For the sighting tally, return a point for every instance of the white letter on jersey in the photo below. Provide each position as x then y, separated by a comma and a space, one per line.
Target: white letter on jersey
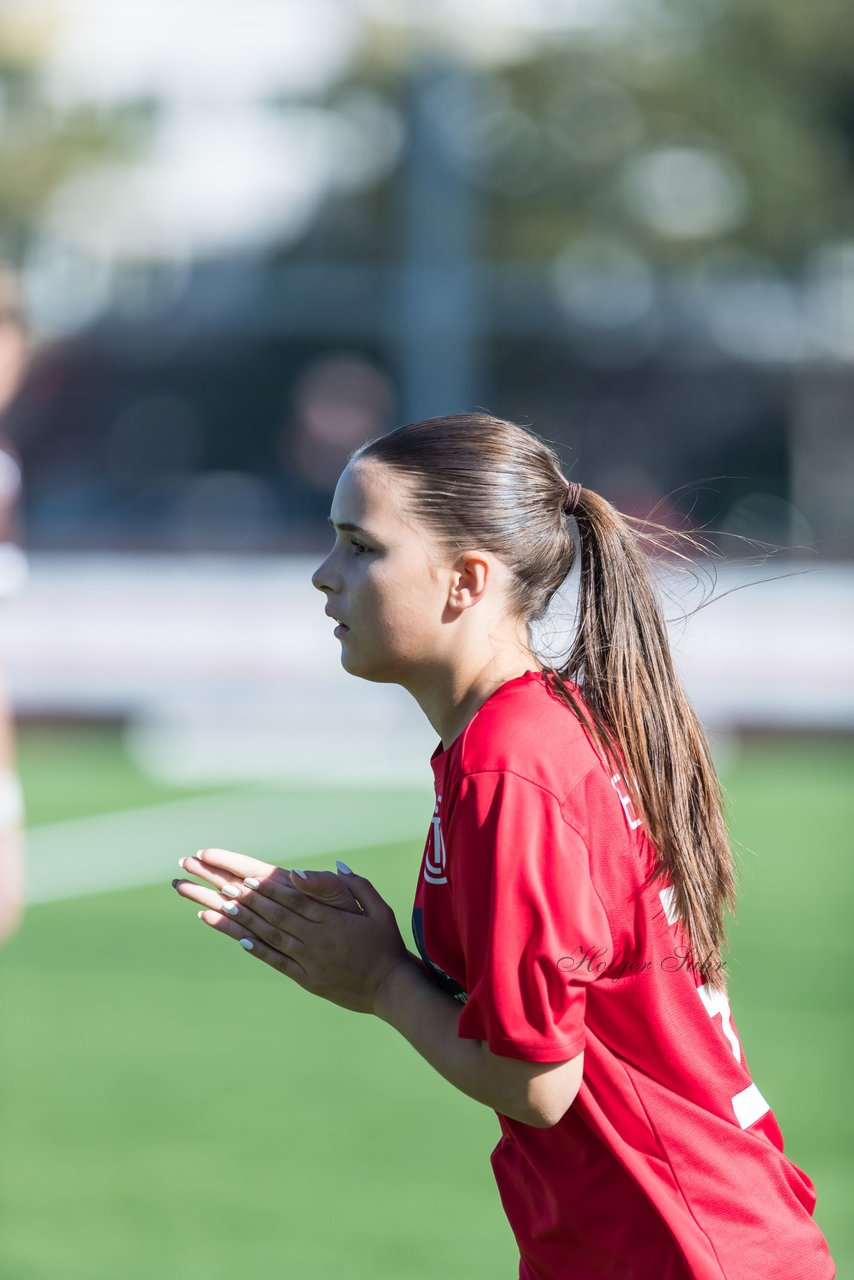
716, 1002
434, 863
670, 913
749, 1105
626, 801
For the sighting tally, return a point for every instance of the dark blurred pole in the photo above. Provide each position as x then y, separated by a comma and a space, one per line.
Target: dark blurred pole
822, 456
436, 315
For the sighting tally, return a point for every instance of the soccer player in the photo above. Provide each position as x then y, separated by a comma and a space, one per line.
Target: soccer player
13, 355
570, 902
12, 562
11, 830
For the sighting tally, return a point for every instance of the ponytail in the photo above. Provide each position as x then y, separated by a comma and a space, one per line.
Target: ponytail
637, 711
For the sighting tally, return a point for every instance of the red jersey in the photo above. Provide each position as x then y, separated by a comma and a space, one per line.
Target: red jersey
535, 909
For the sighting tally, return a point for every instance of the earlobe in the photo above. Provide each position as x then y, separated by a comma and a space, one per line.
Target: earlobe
458, 595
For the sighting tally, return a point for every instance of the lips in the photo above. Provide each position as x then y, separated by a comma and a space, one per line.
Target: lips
342, 626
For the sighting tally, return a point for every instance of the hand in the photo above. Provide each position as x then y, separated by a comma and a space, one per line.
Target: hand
341, 944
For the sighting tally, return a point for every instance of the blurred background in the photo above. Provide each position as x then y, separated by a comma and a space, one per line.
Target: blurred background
236, 242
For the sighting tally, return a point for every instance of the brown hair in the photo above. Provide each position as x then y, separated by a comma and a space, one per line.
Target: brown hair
478, 481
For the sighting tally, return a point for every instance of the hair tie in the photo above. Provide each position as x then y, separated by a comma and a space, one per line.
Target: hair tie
573, 493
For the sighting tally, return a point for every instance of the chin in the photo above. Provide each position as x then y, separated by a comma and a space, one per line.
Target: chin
366, 671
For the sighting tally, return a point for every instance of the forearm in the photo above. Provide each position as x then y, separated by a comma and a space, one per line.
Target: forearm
11, 882
427, 1017
11, 835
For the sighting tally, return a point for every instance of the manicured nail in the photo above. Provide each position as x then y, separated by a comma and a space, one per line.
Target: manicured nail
174, 884
251, 882
200, 914
230, 908
232, 890
297, 872
244, 942
342, 866
200, 854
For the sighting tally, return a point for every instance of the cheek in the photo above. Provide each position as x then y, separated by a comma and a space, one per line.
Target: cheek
412, 617
396, 601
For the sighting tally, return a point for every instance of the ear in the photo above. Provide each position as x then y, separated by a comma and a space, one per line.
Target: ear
472, 576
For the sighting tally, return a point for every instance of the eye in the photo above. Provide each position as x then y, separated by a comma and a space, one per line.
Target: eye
360, 547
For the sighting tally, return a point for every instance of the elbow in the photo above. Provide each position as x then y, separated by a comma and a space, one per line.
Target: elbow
541, 1110
549, 1095
538, 1094
546, 1117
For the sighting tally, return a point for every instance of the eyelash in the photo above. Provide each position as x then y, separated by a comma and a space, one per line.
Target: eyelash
360, 545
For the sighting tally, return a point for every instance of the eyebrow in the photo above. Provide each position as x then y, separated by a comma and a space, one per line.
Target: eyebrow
348, 528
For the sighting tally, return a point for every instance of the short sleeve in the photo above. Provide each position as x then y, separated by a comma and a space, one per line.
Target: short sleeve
523, 901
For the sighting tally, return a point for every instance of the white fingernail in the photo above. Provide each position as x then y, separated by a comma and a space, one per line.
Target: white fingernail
200, 914
231, 889
230, 908
297, 872
252, 883
244, 942
200, 854
342, 866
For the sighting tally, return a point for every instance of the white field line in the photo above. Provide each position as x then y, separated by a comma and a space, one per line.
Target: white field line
135, 847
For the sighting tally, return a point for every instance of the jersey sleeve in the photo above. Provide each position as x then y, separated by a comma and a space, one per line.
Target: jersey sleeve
526, 910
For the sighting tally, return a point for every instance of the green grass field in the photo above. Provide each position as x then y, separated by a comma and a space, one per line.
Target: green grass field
174, 1110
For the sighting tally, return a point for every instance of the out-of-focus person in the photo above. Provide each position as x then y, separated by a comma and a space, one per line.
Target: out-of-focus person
13, 355
11, 829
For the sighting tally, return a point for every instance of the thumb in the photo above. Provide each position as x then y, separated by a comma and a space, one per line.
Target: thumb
325, 887
362, 890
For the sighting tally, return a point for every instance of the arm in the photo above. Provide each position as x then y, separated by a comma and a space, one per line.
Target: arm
358, 959
535, 1093
11, 839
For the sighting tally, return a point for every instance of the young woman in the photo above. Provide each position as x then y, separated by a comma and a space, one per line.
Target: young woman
569, 906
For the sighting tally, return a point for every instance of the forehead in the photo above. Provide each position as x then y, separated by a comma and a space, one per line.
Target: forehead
370, 496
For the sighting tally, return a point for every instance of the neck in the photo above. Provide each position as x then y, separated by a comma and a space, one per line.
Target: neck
450, 699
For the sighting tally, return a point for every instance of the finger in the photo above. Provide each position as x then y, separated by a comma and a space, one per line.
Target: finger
221, 876
194, 867
256, 947
203, 896
326, 887
279, 928
372, 902
237, 865
271, 920
205, 865
276, 895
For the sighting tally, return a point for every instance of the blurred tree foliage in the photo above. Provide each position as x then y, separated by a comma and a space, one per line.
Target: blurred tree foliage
41, 145
765, 86
762, 88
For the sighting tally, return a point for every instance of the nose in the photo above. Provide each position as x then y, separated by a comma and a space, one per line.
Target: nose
322, 575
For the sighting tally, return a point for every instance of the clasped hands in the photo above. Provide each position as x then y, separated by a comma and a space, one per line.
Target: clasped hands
332, 934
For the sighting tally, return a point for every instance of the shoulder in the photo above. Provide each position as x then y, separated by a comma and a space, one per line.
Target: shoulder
526, 730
